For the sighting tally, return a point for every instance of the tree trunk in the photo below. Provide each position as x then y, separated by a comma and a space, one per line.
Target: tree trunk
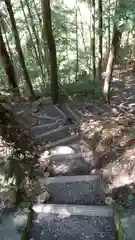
18, 45
36, 35
111, 60
109, 26
8, 66
77, 54
93, 40
100, 39
52, 48
38, 59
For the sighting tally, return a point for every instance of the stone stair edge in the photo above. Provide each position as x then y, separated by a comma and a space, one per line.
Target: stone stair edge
66, 209
65, 179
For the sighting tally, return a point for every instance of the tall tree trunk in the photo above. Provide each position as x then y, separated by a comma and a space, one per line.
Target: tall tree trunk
93, 40
109, 27
83, 38
12, 56
38, 59
34, 31
18, 45
8, 66
100, 38
90, 34
111, 60
77, 57
46, 8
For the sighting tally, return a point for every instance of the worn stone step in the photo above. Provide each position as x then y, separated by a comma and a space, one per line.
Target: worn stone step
74, 222
61, 153
68, 151
44, 128
86, 189
69, 165
54, 134
63, 156
71, 111
67, 162
50, 110
71, 140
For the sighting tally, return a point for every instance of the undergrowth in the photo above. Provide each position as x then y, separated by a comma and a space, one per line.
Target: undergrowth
19, 164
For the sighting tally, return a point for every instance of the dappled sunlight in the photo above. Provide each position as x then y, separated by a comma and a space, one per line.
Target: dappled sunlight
62, 150
61, 211
121, 180
124, 86
61, 169
68, 165
54, 121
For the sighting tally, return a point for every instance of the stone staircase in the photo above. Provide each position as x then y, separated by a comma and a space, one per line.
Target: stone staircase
77, 208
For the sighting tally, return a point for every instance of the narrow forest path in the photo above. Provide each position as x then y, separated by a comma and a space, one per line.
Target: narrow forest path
86, 138
77, 198
101, 137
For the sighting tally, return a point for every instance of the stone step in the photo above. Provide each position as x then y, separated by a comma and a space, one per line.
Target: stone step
68, 165
52, 221
50, 110
54, 134
66, 158
71, 112
85, 189
44, 128
71, 140
61, 153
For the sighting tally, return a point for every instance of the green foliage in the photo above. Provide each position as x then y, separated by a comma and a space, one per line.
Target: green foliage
120, 229
64, 30
81, 87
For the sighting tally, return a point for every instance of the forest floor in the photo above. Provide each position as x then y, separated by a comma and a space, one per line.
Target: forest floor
110, 133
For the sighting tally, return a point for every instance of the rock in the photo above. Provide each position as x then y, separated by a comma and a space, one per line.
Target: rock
115, 111
109, 201
46, 174
44, 156
107, 175
61, 150
44, 197
95, 171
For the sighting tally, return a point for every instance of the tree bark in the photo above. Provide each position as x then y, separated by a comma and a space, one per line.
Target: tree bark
52, 48
77, 54
93, 40
18, 45
8, 66
111, 60
109, 26
100, 38
38, 59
